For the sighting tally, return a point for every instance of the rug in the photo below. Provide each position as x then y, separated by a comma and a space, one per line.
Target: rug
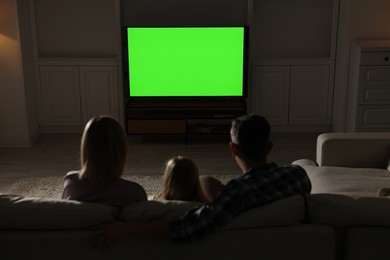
51, 187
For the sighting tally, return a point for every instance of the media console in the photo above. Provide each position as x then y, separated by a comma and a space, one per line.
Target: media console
182, 116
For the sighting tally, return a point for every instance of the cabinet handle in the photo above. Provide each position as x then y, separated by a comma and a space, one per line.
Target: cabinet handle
368, 76
386, 58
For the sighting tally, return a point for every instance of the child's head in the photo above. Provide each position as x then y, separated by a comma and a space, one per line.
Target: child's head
181, 180
103, 150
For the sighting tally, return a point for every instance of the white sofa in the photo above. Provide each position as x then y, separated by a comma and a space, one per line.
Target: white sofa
322, 227
32, 228
356, 165
353, 164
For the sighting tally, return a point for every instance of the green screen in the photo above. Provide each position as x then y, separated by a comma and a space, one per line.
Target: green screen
193, 61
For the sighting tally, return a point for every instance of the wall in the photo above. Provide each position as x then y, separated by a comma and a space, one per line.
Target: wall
184, 13
18, 125
359, 19
14, 129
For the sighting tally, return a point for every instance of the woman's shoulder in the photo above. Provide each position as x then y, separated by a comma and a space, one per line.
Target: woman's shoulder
72, 175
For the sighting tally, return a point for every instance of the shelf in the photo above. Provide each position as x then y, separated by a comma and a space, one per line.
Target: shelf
182, 116
189, 103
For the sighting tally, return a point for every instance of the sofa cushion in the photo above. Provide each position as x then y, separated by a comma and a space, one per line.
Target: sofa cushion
343, 210
357, 182
17, 212
360, 150
157, 209
288, 211
284, 212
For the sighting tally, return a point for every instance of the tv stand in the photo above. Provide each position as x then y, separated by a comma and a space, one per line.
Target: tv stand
182, 116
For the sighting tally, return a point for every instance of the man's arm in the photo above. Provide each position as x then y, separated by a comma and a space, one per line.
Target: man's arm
196, 223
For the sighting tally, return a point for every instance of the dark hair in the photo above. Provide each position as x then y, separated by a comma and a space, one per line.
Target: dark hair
251, 133
103, 150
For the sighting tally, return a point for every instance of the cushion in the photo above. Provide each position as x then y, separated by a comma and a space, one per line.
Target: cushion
334, 209
288, 211
157, 209
284, 212
357, 182
360, 150
17, 212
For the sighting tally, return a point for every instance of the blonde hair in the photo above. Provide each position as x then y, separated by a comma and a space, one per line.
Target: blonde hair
181, 180
103, 150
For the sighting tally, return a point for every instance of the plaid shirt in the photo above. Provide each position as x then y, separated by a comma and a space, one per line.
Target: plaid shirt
258, 186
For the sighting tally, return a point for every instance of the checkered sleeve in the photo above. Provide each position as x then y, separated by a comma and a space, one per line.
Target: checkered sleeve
201, 221
255, 188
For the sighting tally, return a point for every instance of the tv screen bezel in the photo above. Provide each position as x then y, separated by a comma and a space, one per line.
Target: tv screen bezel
125, 64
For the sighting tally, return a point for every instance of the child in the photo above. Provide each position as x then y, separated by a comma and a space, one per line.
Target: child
103, 156
181, 181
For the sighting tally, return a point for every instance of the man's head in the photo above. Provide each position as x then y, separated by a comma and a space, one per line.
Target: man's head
250, 138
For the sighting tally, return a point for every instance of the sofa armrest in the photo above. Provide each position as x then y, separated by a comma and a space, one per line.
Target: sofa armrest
304, 162
359, 150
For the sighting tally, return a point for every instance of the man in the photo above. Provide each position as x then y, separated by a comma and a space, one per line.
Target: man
261, 183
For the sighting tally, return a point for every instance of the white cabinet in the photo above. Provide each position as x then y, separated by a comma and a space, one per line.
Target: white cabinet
310, 95
270, 93
71, 95
99, 92
60, 96
77, 53
292, 59
290, 96
369, 88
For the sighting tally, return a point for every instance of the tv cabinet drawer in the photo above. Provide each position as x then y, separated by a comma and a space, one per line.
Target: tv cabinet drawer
375, 58
373, 118
375, 95
156, 126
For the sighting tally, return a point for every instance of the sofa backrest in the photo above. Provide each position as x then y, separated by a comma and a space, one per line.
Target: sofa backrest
17, 212
341, 210
288, 211
359, 150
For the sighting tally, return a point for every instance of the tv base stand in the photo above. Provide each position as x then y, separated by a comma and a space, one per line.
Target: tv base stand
193, 116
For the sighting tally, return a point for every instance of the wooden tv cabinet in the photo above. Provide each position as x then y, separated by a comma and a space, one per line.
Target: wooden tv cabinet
187, 116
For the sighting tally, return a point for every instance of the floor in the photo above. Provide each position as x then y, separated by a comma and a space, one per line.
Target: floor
54, 155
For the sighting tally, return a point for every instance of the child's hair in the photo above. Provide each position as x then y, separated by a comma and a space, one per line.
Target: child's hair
181, 180
103, 150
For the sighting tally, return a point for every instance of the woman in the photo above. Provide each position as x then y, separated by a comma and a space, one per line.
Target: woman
103, 155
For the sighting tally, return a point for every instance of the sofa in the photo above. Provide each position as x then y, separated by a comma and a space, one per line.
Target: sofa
322, 226
353, 164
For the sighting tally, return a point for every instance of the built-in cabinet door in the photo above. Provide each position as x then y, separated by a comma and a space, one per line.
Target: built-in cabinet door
60, 96
271, 93
373, 101
309, 95
292, 95
99, 91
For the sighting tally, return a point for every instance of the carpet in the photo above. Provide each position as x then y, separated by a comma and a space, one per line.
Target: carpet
51, 187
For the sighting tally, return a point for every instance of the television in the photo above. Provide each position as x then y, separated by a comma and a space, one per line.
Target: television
185, 61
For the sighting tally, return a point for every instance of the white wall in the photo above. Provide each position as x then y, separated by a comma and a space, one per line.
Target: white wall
13, 112
359, 19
